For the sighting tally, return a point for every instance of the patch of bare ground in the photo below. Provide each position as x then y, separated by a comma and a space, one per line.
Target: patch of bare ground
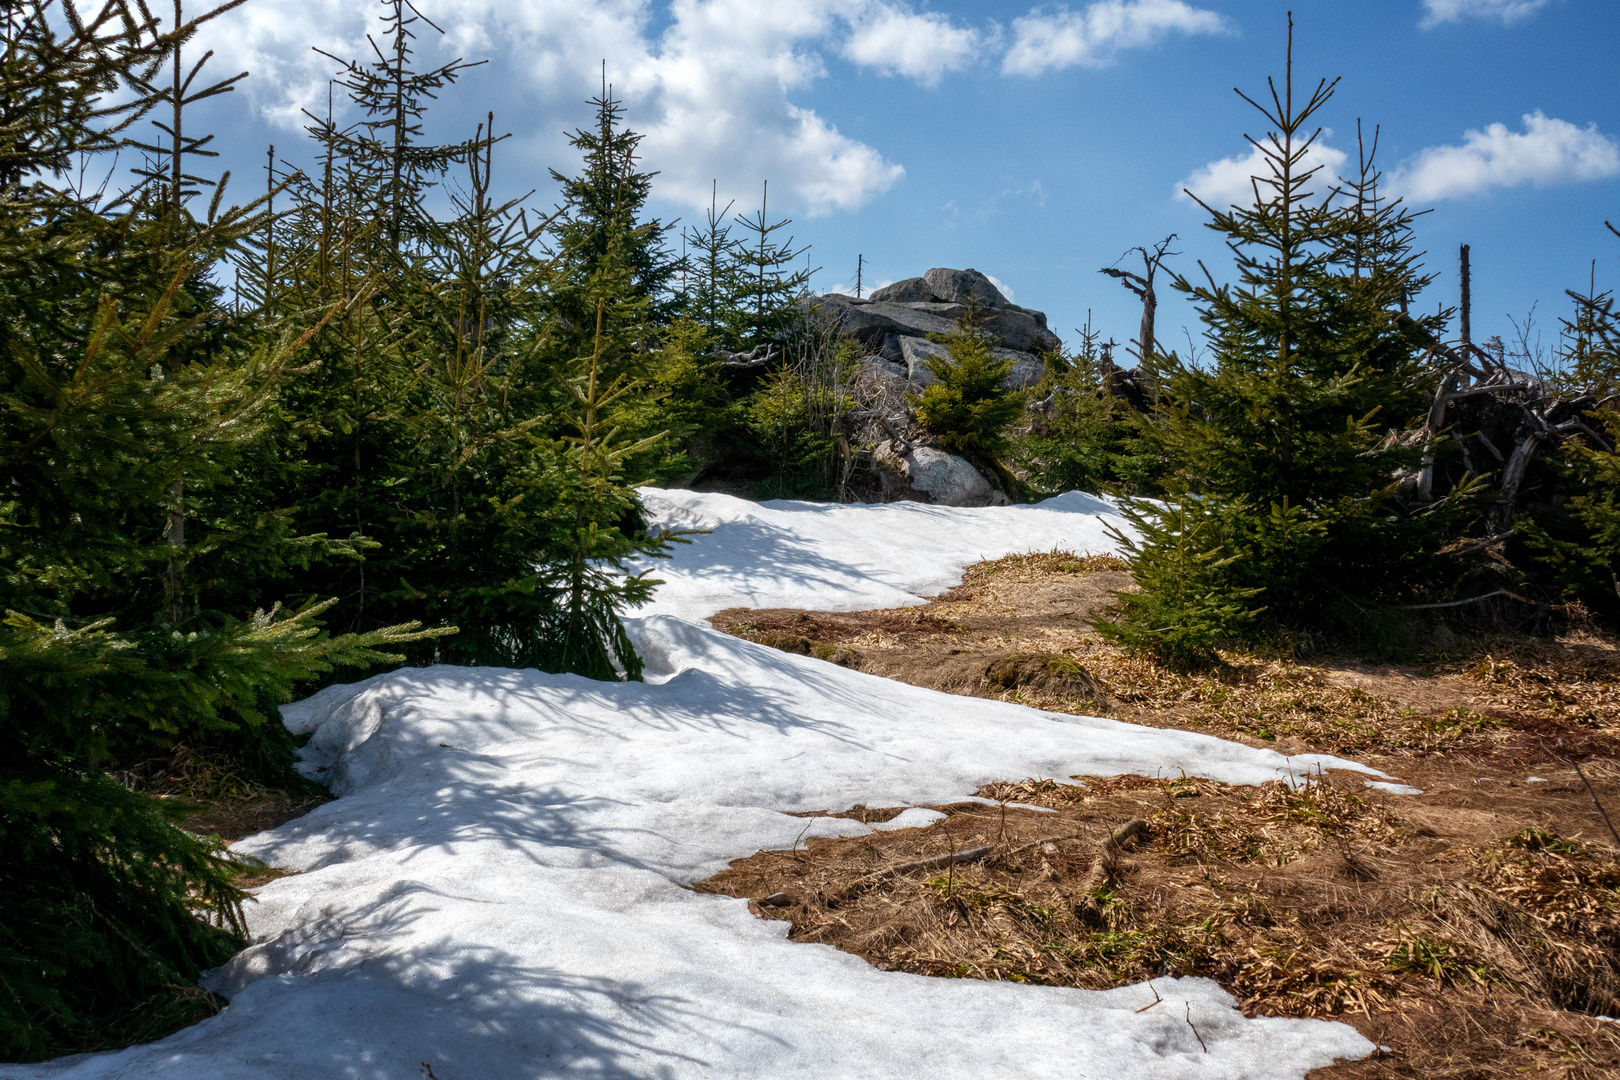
220, 801
1474, 929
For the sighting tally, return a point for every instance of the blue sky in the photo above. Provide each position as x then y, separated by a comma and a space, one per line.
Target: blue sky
1034, 143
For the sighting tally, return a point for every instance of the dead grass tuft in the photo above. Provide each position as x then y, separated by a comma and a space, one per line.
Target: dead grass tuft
1315, 900
223, 802
1474, 929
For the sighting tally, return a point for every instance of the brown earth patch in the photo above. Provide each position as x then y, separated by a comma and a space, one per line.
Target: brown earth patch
1014, 624
1473, 929
221, 801
1485, 897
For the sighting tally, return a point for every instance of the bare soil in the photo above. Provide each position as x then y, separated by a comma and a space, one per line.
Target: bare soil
219, 801
1474, 929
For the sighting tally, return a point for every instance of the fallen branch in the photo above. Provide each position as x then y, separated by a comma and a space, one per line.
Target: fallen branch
1590, 790
1021, 848
1481, 545
1190, 1024
751, 358
860, 885
1470, 600
1103, 868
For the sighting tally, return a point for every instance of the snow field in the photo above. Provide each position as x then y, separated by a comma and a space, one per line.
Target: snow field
500, 890
853, 557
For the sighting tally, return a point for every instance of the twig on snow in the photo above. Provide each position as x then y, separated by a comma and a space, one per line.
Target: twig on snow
1194, 1026
1156, 998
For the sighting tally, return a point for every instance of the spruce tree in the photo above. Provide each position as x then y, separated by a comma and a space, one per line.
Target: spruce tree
1574, 539
126, 399
393, 94
602, 219
712, 277
1082, 434
769, 289
968, 408
1285, 436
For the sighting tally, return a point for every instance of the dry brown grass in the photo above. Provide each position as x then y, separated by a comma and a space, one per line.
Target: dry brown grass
1325, 900
223, 802
1474, 929
1016, 629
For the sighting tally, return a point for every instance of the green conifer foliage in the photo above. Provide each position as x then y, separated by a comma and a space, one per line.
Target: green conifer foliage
1082, 436
603, 215
1576, 541
968, 408
128, 402
1284, 432
712, 277
394, 95
1581, 548
1186, 604
592, 516
768, 287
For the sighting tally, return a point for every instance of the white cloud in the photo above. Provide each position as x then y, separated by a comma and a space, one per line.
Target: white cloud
894, 41
1006, 290
1548, 151
711, 88
1091, 37
1436, 12
1227, 182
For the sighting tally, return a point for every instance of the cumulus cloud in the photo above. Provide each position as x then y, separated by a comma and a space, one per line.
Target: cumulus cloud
1046, 41
923, 46
709, 83
1228, 182
1436, 12
1548, 151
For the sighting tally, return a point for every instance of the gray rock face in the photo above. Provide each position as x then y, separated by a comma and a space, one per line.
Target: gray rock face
943, 310
914, 356
885, 369
916, 307
947, 479
869, 322
913, 290
915, 353
1026, 372
957, 286
1020, 332
1038, 316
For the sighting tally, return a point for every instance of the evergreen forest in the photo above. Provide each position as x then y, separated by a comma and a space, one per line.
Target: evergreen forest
258, 437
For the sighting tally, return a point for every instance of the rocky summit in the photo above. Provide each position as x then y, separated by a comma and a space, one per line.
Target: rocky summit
894, 323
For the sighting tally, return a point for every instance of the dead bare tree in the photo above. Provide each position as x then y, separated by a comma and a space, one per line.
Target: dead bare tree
1142, 286
1532, 414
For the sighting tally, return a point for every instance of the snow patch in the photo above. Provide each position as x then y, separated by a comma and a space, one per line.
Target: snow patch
1394, 789
502, 889
850, 557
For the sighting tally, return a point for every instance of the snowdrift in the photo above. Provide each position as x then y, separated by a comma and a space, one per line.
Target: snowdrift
830, 557
499, 891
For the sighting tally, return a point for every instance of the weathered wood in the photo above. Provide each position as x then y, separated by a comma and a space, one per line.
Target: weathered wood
1103, 868
860, 885
1507, 504
1470, 600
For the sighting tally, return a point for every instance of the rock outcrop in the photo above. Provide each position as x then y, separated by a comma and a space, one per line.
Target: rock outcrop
895, 321
946, 479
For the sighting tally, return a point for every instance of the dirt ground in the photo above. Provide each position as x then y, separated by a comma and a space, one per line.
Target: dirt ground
1473, 929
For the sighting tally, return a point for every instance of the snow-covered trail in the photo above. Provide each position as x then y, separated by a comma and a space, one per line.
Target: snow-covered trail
829, 557
499, 890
